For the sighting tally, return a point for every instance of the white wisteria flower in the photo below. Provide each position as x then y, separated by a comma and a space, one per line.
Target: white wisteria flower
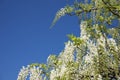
23, 73
34, 72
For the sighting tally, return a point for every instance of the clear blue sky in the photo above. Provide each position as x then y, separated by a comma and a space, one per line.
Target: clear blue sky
25, 36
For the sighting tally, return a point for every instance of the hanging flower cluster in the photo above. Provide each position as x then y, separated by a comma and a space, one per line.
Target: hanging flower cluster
62, 12
34, 73
23, 73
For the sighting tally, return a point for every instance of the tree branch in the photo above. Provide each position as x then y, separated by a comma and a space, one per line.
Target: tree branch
109, 6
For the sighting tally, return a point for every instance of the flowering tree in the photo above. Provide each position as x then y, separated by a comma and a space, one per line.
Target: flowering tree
94, 55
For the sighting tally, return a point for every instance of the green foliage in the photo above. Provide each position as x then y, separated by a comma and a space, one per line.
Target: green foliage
76, 40
52, 61
105, 11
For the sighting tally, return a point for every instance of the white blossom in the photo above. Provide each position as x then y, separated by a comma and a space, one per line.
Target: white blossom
68, 53
83, 33
61, 12
99, 77
23, 73
59, 72
34, 72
